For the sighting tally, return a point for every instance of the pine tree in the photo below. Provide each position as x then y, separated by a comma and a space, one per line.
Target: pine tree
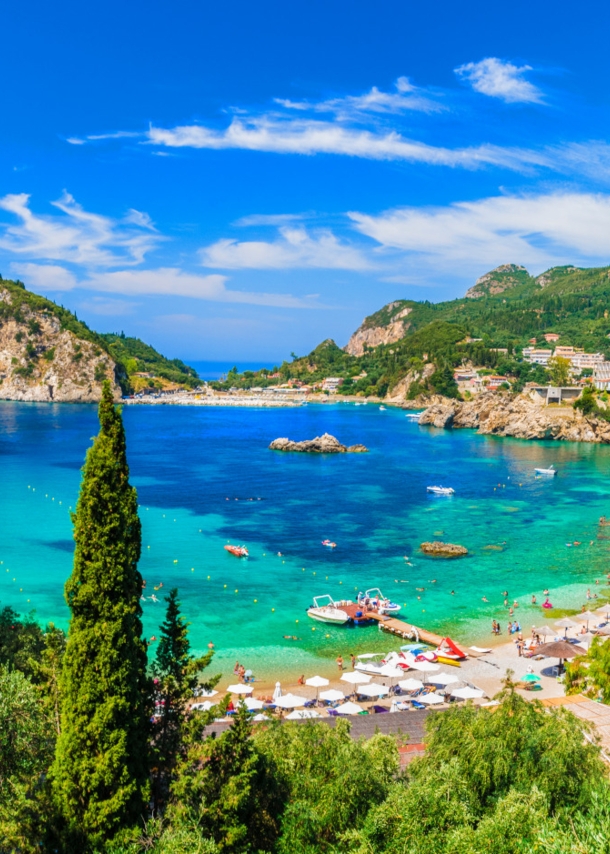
100, 773
176, 676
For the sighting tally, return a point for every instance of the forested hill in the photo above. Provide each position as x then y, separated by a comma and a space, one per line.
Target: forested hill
505, 308
48, 354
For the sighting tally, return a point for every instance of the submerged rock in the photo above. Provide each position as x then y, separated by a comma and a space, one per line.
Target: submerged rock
325, 444
443, 549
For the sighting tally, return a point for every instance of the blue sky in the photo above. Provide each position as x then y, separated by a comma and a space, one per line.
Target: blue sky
239, 181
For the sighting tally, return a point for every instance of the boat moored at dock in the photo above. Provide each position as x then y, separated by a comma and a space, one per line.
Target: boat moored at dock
325, 610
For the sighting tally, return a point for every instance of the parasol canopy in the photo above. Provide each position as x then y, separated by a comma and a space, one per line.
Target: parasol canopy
356, 677
430, 699
411, 684
240, 689
349, 709
545, 631
468, 693
252, 704
373, 690
317, 681
530, 677
332, 695
290, 701
444, 679
561, 650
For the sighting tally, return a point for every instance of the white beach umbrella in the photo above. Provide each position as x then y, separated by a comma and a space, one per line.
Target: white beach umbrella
391, 672
373, 690
545, 631
259, 718
356, 678
253, 704
350, 709
444, 678
430, 699
277, 691
411, 684
426, 666
468, 693
201, 692
604, 611
302, 714
586, 617
332, 695
203, 707
566, 623
290, 701
586, 638
317, 681
240, 689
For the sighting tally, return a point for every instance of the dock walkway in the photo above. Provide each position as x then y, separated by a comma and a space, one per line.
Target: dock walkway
407, 631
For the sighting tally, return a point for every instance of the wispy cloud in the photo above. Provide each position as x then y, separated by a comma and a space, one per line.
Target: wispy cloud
501, 79
294, 248
270, 219
76, 236
538, 230
45, 277
405, 98
310, 136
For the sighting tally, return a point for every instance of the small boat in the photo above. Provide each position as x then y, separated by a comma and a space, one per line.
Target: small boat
325, 610
550, 471
329, 544
238, 551
440, 490
382, 408
413, 416
376, 601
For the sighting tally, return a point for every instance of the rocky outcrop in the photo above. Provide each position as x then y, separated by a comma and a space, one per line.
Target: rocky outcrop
438, 549
325, 444
372, 336
41, 361
497, 281
401, 391
519, 417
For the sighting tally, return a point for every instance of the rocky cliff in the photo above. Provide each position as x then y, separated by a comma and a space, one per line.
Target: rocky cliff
370, 334
517, 416
325, 444
41, 359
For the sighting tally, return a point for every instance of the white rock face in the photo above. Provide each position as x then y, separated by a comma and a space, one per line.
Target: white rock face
373, 336
52, 364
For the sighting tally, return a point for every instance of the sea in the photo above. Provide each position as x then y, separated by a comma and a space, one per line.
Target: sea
205, 477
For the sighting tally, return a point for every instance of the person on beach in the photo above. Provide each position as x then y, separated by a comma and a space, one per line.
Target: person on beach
588, 593
506, 603
210, 645
509, 627
510, 612
352, 658
533, 599
236, 669
519, 648
301, 680
339, 660
515, 604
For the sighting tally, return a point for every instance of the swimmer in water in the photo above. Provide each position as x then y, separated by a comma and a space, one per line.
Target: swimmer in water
505, 594
533, 600
484, 599
153, 598
453, 592
545, 592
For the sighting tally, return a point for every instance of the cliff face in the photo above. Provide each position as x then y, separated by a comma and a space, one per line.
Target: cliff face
519, 417
497, 281
372, 335
41, 361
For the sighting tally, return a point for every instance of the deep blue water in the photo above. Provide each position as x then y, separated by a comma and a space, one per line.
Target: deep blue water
197, 469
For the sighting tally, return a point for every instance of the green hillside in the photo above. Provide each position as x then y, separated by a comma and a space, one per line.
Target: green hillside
139, 358
504, 309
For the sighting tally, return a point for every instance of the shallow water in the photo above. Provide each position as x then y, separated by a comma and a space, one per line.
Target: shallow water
191, 464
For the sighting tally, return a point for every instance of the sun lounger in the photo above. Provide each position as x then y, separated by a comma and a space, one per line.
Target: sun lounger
380, 710
417, 705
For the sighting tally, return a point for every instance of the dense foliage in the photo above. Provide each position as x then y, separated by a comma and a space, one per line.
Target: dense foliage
139, 357
100, 774
511, 308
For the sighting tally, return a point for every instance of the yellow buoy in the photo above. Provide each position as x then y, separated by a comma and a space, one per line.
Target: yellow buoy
255, 601
237, 591
193, 569
175, 561
296, 621
225, 586
273, 609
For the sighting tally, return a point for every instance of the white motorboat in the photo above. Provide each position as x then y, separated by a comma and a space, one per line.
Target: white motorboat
440, 490
325, 610
551, 470
382, 408
374, 600
413, 416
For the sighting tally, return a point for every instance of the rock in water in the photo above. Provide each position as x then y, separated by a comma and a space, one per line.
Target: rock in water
325, 444
439, 549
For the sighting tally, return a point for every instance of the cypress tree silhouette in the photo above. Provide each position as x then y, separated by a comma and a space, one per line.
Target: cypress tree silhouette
100, 773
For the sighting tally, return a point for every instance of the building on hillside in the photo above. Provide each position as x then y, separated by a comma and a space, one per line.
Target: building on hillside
550, 337
587, 360
494, 382
332, 384
537, 357
601, 376
565, 352
553, 394
468, 380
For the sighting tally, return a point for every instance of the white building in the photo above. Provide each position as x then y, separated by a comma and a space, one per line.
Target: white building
601, 376
537, 357
331, 384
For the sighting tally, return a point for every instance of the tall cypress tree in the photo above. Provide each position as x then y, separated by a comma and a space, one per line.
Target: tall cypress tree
100, 774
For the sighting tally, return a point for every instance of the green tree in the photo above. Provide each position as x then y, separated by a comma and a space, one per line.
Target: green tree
559, 370
26, 749
176, 674
232, 791
100, 773
590, 673
21, 640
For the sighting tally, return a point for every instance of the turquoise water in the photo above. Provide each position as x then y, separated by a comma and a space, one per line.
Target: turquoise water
191, 464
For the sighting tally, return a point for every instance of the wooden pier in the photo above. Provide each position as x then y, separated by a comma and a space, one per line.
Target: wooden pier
391, 624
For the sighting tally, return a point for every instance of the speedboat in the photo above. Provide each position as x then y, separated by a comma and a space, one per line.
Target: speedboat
413, 416
376, 601
325, 610
551, 470
382, 408
440, 490
238, 551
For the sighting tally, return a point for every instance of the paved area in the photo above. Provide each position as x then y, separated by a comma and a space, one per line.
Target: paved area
596, 713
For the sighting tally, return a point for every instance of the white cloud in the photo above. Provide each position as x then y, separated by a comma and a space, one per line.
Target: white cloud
172, 281
269, 219
108, 307
77, 237
406, 97
309, 136
294, 248
500, 79
538, 230
46, 277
